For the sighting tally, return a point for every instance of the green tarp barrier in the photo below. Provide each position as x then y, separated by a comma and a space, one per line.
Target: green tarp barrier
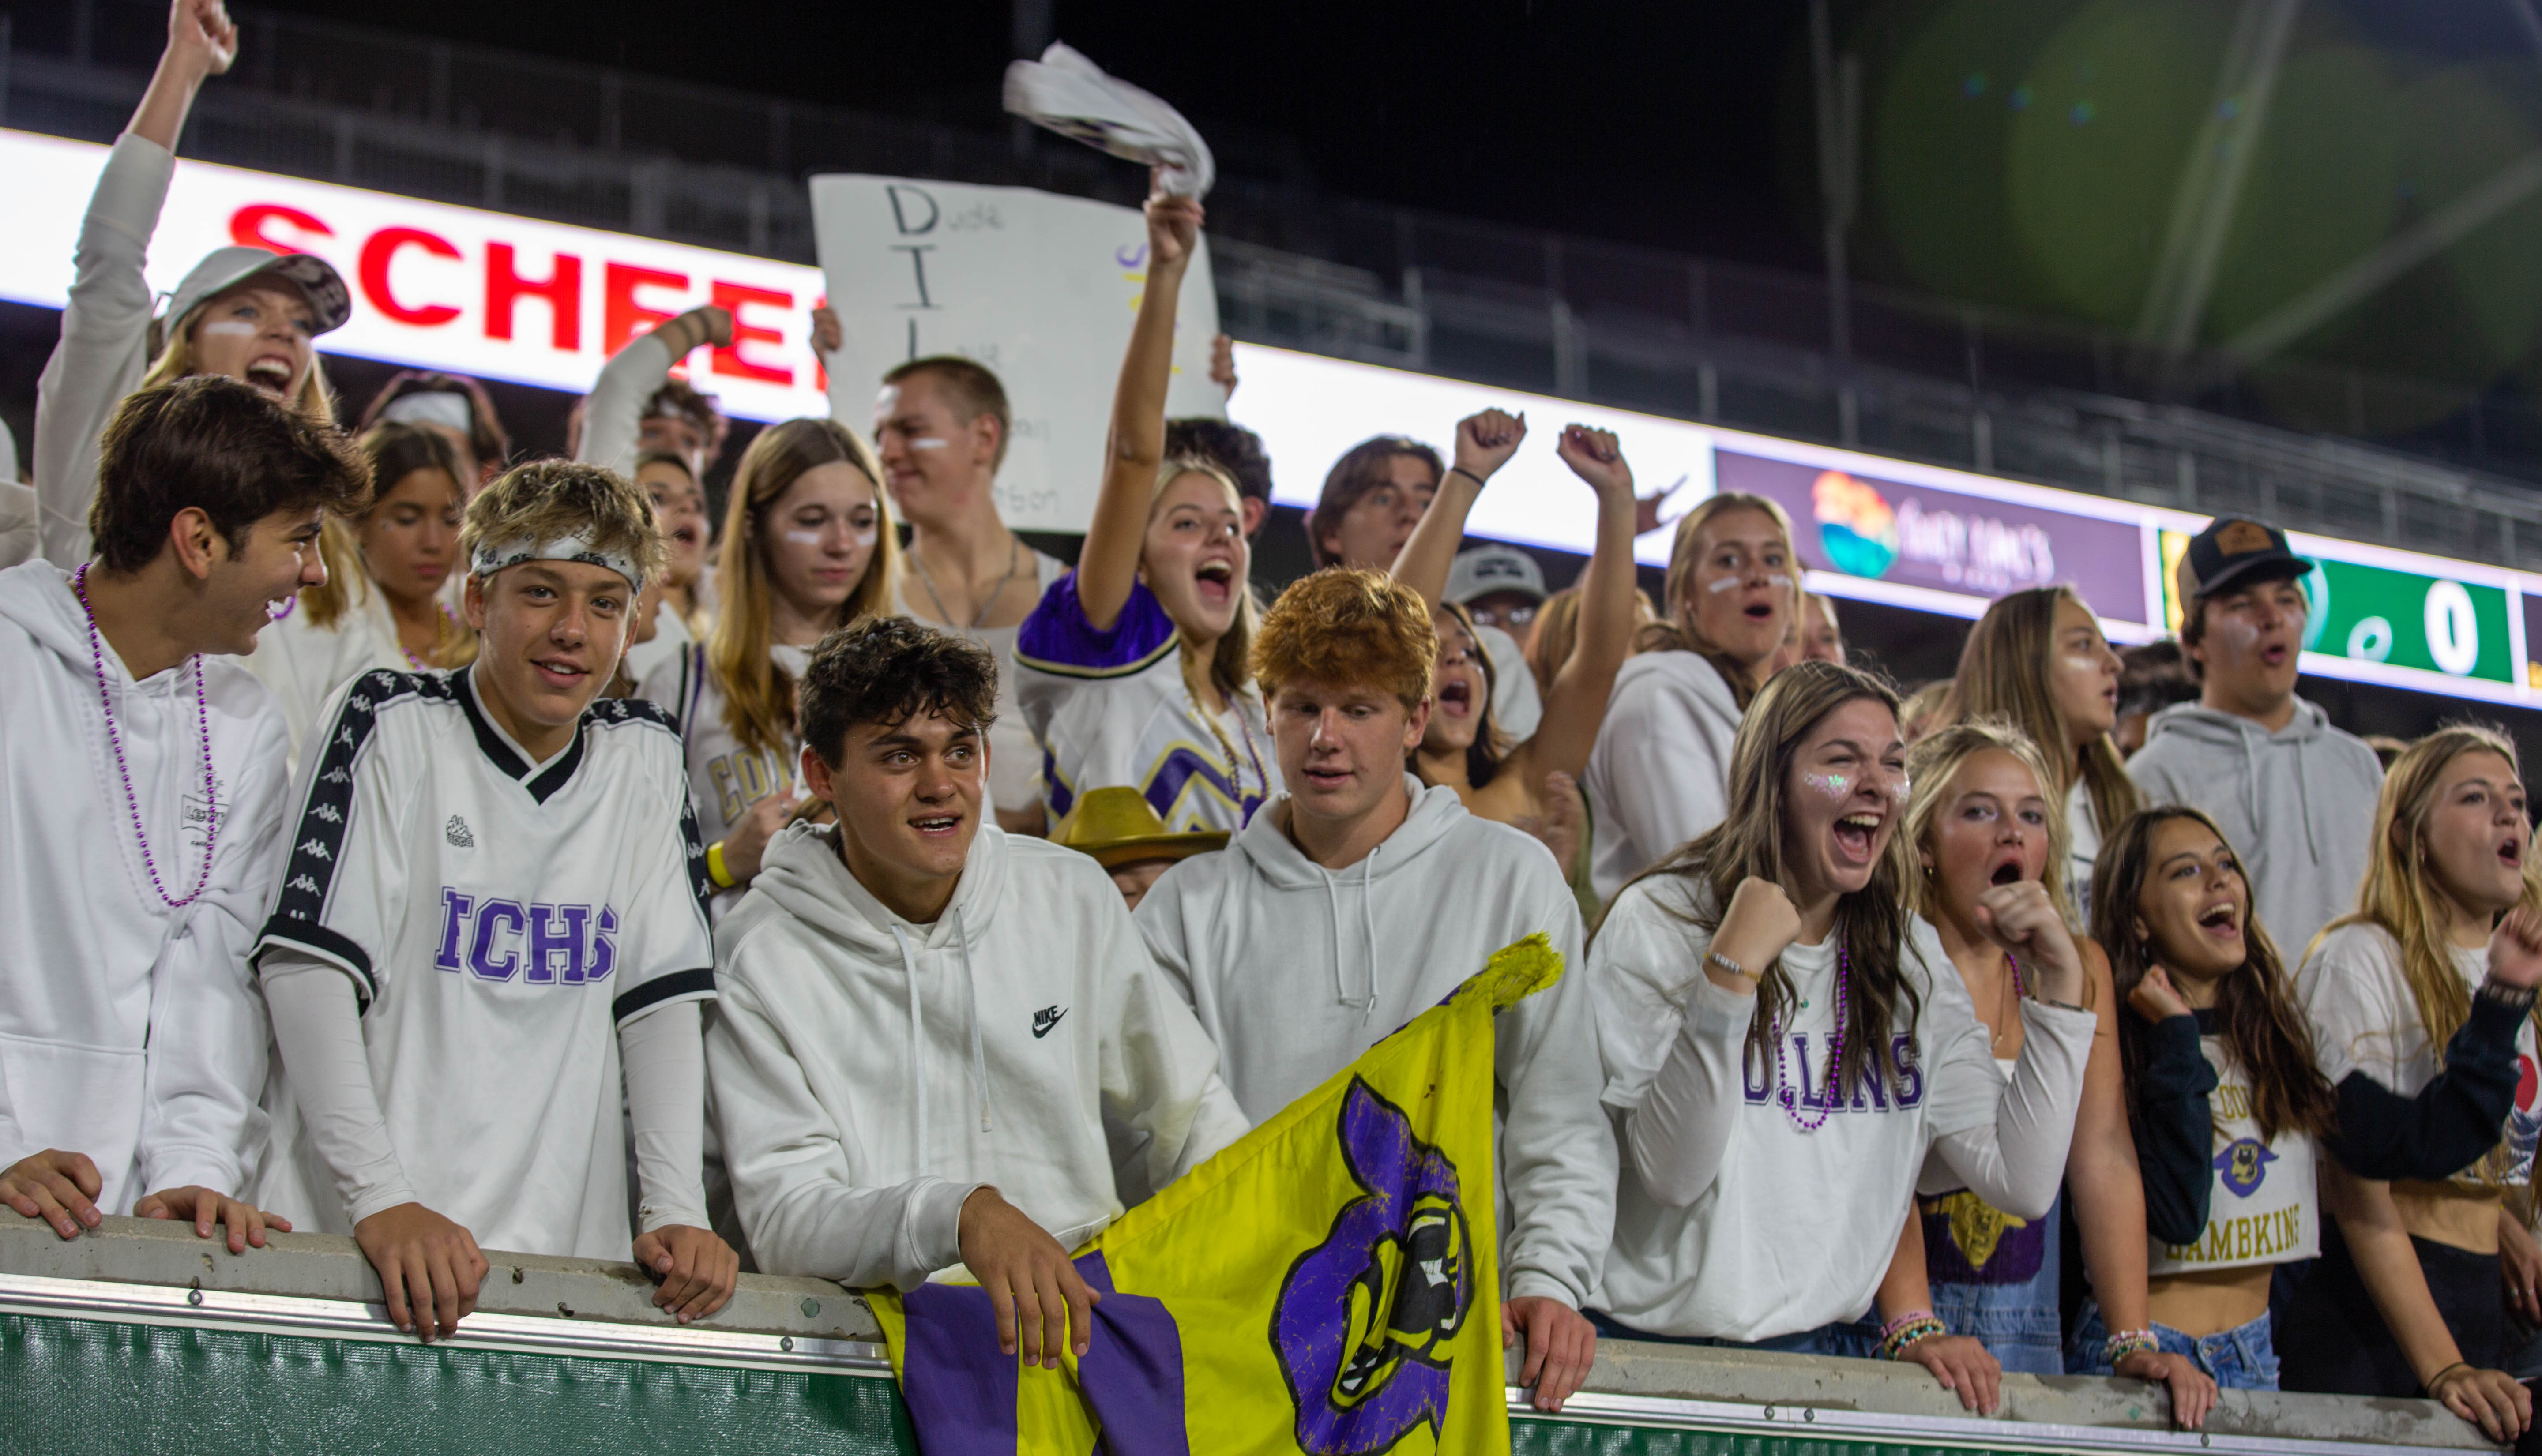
73, 1387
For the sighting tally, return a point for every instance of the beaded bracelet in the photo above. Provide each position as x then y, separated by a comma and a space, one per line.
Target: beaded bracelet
1904, 1320
2124, 1343
1912, 1329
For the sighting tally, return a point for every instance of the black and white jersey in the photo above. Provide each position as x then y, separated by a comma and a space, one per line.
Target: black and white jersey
500, 920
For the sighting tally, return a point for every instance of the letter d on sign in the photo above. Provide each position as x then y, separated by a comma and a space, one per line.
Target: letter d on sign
900, 212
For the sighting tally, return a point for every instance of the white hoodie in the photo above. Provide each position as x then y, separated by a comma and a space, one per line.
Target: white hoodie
867, 1073
1296, 970
2297, 805
1660, 773
129, 1031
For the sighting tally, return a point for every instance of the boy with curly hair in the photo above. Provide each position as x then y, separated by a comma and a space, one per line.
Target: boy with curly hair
1358, 899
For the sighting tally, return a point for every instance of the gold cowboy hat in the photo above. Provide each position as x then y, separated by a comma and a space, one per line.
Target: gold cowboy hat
1118, 827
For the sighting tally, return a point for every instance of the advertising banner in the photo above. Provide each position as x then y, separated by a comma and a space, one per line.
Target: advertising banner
1884, 530
1040, 288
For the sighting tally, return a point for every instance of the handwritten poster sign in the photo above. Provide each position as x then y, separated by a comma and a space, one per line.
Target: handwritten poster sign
1040, 288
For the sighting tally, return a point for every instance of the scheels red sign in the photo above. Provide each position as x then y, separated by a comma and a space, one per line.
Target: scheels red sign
438, 287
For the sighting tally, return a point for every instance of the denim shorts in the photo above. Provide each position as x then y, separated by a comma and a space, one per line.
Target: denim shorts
2244, 1358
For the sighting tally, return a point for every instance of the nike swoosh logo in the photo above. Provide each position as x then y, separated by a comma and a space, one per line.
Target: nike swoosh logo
1043, 1021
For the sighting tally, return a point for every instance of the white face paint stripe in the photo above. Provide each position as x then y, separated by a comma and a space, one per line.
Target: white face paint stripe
1777, 578
866, 538
1720, 584
927, 442
800, 538
227, 328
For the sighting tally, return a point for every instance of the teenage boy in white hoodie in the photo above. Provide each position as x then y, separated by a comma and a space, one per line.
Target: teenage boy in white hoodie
925, 1019
2294, 795
142, 794
1358, 900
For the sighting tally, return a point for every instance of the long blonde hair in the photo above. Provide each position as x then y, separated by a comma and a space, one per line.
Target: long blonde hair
2004, 672
2398, 894
1870, 924
1676, 631
1935, 759
1231, 663
758, 695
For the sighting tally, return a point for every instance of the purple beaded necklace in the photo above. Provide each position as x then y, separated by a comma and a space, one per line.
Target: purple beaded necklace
1836, 1052
133, 804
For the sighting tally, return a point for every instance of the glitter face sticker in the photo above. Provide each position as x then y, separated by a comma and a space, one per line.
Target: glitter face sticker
1834, 785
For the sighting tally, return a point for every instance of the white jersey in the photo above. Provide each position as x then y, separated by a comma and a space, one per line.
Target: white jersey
2364, 1019
1014, 757
2263, 1207
1110, 708
305, 663
724, 778
500, 920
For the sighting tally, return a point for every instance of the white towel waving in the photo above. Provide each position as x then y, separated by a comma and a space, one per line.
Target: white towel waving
1071, 94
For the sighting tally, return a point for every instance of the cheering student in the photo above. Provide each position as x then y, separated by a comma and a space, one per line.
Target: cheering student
1361, 897
142, 797
1236, 450
1133, 669
687, 586
1373, 498
2294, 794
2038, 660
251, 314
1781, 1059
637, 404
808, 548
384, 605
925, 1020
2224, 1101
452, 406
2229, 1104
941, 425
496, 894
2449, 926
1984, 813
1656, 779
1463, 746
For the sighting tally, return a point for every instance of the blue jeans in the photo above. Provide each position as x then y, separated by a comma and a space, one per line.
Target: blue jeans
2244, 1358
1991, 1278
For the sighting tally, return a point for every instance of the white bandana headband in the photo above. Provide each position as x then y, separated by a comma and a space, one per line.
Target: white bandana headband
434, 407
492, 558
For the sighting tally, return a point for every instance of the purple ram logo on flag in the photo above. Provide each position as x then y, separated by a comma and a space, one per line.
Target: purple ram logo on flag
1365, 1318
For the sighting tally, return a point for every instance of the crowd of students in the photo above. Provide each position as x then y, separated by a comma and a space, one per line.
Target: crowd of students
462, 852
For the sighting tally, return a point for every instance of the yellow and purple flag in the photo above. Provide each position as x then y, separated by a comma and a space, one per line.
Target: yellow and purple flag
1327, 1287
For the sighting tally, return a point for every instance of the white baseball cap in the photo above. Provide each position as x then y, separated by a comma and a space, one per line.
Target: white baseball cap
1498, 568
227, 267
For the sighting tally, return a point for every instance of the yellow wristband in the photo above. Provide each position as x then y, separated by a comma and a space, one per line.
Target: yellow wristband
715, 871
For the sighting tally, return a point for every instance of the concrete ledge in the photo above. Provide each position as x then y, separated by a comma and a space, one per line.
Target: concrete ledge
135, 1250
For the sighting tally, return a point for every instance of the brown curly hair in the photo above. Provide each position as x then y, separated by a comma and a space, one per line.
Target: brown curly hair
1345, 624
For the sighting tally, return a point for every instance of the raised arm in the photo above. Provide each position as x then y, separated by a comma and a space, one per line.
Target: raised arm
1575, 706
1108, 565
203, 42
1681, 1131
613, 417
1484, 443
106, 321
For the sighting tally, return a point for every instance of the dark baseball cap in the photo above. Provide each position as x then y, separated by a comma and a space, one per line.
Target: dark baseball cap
2235, 550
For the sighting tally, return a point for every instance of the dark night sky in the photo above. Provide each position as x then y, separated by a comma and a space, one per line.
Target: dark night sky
1647, 122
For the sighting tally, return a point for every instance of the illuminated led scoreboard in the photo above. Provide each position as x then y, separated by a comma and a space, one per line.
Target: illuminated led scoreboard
503, 297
